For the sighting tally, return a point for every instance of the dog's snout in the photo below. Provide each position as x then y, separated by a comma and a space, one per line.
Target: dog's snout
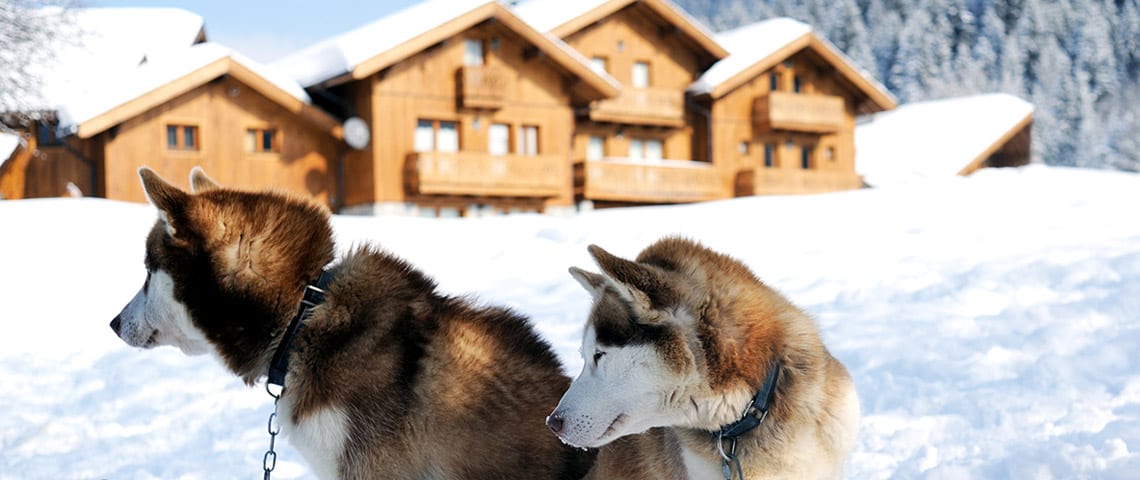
556, 423
116, 323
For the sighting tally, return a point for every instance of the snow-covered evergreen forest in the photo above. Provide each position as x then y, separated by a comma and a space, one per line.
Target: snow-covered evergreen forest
1077, 61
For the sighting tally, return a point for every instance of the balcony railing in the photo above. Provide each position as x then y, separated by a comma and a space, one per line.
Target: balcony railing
652, 106
798, 112
663, 181
483, 174
780, 181
482, 87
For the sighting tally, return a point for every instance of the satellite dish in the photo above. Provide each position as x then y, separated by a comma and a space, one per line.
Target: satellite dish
356, 133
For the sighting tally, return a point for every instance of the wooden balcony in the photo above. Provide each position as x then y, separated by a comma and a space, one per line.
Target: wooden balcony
796, 112
482, 87
662, 181
483, 174
647, 106
780, 181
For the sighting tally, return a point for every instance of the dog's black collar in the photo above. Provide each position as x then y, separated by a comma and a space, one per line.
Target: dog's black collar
314, 295
754, 415
757, 409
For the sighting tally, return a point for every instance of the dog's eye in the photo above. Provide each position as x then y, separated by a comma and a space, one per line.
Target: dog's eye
598, 354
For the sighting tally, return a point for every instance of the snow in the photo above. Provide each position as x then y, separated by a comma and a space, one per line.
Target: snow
991, 322
751, 44
8, 144
747, 46
162, 69
901, 146
546, 15
340, 54
100, 44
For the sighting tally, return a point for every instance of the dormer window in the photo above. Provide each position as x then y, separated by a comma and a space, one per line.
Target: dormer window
640, 75
473, 53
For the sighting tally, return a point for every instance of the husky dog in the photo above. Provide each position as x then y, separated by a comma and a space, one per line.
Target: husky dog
386, 379
694, 369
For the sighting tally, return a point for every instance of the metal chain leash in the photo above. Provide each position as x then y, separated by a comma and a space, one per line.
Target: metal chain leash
269, 462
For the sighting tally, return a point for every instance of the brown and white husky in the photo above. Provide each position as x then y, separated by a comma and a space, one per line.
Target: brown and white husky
386, 379
694, 369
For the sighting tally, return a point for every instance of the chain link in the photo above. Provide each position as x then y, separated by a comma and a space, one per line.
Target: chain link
269, 461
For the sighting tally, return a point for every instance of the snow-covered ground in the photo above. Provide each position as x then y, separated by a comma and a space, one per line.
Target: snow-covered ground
990, 322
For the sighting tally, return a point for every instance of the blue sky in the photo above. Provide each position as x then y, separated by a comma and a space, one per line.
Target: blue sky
268, 29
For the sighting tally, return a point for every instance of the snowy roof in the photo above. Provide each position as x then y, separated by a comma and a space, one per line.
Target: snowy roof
99, 44
752, 44
545, 15
162, 69
748, 45
548, 15
339, 55
936, 139
343, 54
8, 144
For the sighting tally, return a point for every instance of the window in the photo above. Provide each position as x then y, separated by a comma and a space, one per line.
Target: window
473, 53
640, 75
261, 140
434, 135
447, 140
596, 148
182, 137
636, 149
425, 136
805, 157
499, 139
742, 148
769, 155
47, 136
645, 149
773, 81
796, 84
829, 154
600, 64
528, 140
653, 150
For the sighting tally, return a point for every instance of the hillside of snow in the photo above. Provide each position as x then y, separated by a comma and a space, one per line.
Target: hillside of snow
990, 323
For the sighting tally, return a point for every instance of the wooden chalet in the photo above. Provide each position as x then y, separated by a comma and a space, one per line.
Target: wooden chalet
143, 88
470, 111
637, 147
781, 110
459, 107
992, 130
208, 107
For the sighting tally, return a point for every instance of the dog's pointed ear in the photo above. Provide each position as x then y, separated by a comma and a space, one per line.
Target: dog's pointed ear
640, 278
200, 182
168, 199
592, 282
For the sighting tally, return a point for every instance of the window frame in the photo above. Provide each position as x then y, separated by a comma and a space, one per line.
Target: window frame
648, 74
258, 136
179, 139
526, 143
436, 135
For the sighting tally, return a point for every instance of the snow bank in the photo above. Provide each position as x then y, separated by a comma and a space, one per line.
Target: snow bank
921, 141
990, 334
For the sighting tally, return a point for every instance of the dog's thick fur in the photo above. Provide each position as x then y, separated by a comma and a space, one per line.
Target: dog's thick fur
388, 379
676, 345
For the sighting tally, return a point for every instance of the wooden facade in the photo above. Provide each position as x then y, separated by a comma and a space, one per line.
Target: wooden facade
480, 110
246, 133
475, 114
786, 124
634, 148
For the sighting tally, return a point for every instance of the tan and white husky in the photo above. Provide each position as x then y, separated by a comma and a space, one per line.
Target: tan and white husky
694, 369
386, 379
